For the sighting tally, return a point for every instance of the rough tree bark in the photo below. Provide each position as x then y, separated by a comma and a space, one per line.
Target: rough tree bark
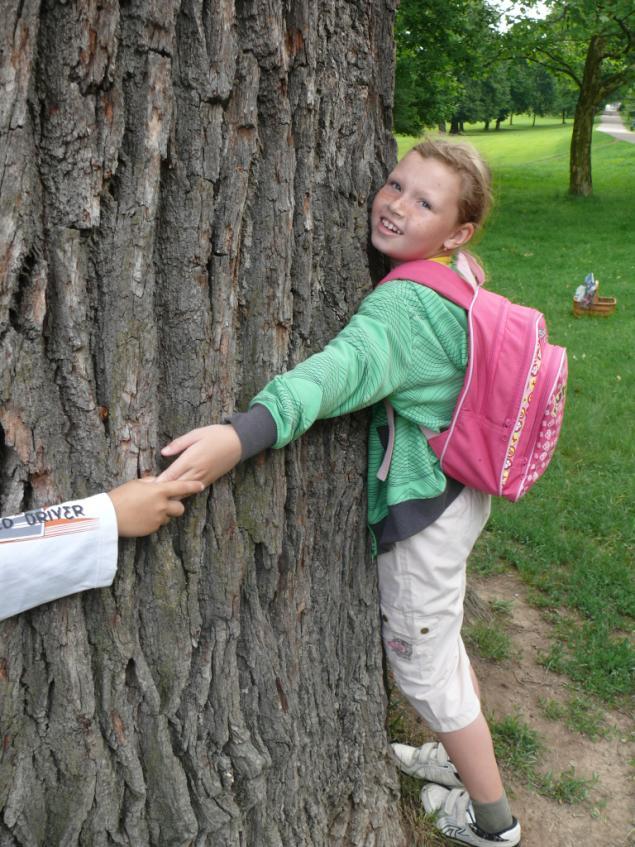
183, 213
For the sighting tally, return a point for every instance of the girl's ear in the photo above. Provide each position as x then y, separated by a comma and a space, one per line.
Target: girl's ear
459, 237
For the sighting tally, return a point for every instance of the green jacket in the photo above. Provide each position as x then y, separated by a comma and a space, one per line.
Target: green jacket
405, 343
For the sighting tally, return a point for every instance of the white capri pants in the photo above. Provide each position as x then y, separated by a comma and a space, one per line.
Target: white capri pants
421, 591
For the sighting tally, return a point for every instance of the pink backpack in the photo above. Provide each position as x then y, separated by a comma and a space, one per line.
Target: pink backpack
508, 415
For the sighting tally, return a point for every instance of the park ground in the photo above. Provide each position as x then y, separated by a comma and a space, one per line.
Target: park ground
574, 784
550, 630
521, 686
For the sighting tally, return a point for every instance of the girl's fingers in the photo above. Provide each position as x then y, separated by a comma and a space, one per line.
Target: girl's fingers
178, 470
179, 444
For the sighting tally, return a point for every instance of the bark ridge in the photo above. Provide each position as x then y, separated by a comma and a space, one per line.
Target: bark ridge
183, 213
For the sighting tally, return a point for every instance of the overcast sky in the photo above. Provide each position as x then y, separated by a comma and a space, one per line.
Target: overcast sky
537, 10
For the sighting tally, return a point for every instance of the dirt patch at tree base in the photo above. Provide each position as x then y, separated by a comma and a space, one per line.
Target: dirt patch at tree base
518, 686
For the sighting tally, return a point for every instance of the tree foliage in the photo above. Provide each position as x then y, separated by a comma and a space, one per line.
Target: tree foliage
440, 45
533, 89
486, 99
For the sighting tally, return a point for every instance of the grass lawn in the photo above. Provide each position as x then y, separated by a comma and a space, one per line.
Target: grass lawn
572, 538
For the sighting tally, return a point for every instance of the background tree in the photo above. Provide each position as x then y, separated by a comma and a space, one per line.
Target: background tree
439, 43
521, 87
183, 213
593, 44
566, 98
495, 98
483, 99
626, 97
532, 89
544, 94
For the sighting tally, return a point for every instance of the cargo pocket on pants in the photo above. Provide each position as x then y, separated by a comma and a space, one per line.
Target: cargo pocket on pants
408, 639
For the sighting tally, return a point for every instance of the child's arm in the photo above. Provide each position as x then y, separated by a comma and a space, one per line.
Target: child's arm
49, 553
144, 505
364, 363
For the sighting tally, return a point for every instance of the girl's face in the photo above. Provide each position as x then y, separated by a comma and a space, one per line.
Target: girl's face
415, 215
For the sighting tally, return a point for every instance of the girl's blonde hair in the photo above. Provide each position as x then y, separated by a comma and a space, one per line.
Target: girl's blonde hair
476, 179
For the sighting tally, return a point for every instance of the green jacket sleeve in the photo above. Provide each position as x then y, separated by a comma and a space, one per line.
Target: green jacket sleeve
364, 363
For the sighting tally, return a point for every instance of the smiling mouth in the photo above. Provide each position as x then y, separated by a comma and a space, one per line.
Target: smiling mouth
389, 225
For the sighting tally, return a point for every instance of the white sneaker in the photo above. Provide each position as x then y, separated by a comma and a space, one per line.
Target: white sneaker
455, 818
430, 762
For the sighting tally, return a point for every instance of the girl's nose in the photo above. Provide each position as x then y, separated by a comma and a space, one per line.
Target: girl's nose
396, 205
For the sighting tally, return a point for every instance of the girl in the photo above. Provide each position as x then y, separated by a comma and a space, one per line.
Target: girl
406, 344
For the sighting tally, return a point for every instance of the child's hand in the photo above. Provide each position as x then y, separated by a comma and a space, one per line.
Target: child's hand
210, 452
143, 505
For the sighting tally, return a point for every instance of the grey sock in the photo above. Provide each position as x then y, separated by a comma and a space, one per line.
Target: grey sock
493, 817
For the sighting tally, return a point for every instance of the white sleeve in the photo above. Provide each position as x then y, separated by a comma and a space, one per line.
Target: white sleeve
48, 553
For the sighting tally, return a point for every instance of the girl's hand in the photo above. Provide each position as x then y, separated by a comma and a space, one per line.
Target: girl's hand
206, 454
142, 506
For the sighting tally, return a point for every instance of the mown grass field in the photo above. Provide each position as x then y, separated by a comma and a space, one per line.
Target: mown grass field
572, 538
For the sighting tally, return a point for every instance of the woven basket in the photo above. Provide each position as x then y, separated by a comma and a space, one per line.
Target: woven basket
600, 307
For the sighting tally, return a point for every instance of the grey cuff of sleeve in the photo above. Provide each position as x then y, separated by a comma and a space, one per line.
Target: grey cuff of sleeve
256, 429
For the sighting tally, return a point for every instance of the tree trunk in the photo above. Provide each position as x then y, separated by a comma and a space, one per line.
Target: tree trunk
183, 214
580, 179
455, 126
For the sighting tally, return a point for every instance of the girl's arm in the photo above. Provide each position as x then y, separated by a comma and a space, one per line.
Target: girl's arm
365, 362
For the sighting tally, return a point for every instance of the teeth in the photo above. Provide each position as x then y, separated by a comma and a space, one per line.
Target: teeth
389, 225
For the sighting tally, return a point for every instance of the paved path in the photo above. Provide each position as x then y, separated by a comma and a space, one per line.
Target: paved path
611, 123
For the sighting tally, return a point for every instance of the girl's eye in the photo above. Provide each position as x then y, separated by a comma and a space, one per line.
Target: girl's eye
394, 184
424, 204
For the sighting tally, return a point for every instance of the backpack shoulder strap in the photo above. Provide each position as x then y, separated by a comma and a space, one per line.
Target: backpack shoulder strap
468, 267
440, 278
